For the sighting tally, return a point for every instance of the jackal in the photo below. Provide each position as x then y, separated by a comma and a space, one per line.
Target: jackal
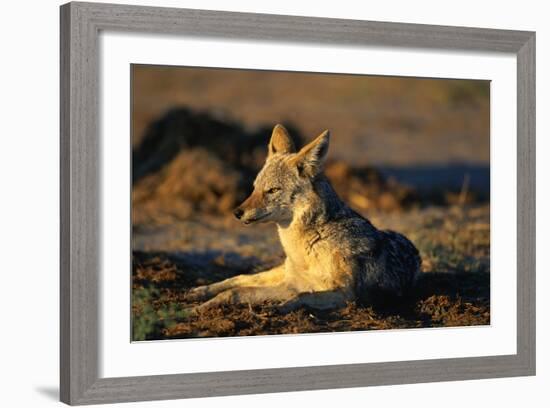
333, 254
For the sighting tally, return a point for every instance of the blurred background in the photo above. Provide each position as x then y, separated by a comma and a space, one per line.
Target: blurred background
431, 135
411, 154
381, 121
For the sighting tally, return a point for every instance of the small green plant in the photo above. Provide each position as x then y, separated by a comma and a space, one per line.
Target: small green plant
149, 316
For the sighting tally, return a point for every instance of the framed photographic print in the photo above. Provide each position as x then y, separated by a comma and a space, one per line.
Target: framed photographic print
258, 203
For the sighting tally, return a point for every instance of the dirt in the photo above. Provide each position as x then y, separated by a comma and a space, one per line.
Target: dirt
168, 260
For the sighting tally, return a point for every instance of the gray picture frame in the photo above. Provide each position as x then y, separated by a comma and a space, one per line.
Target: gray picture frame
81, 24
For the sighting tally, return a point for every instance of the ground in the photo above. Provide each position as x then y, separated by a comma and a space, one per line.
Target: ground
453, 289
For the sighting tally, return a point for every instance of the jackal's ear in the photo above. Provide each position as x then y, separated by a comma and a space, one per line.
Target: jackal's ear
280, 142
311, 157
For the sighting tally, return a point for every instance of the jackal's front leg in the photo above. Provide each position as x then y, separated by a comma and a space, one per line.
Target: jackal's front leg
249, 295
330, 299
271, 277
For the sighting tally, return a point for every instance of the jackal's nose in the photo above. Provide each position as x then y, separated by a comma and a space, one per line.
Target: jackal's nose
238, 213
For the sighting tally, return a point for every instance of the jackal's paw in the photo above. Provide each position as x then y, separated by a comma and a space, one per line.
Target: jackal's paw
197, 294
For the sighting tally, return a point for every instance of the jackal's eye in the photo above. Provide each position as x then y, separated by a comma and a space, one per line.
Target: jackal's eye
272, 190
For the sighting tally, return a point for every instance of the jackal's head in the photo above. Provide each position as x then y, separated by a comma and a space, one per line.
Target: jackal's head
286, 179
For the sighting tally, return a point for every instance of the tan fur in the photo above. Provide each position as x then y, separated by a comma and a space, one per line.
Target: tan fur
332, 253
